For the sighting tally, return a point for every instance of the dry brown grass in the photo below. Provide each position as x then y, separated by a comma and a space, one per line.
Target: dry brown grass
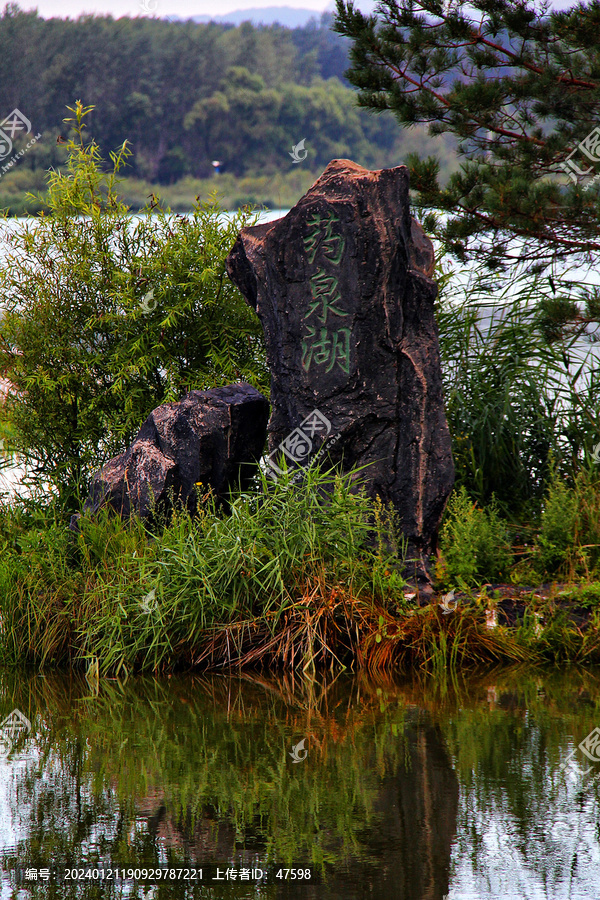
329, 627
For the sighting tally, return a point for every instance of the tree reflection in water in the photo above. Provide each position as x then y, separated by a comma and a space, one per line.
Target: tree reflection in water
197, 770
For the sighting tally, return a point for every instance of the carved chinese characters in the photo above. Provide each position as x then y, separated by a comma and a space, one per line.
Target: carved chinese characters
341, 285
324, 343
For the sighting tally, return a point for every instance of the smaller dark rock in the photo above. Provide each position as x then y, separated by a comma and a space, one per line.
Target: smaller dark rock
214, 437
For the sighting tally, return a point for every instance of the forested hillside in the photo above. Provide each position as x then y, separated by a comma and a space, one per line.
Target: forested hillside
185, 94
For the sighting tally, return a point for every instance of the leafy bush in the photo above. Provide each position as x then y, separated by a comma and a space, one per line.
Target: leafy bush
586, 596
568, 543
473, 543
106, 317
555, 543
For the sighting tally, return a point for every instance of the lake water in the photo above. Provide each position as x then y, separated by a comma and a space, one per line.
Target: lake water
416, 790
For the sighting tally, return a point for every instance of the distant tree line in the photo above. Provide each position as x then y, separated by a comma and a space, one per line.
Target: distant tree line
185, 94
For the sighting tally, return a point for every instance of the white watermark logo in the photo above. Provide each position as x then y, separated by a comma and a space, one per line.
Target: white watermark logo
149, 303
149, 6
596, 455
297, 750
149, 604
590, 147
11, 729
298, 445
9, 127
446, 603
14, 124
590, 747
297, 150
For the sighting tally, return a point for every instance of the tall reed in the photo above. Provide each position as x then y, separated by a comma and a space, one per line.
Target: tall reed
521, 384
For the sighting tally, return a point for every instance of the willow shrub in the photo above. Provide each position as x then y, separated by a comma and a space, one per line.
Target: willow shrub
106, 316
118, 597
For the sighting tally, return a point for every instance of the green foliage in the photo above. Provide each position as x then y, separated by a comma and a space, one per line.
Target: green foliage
586, 596
556, 540
516, 396
292, 577
518, 87
568, 543
119, 596
13, 204
474, 546
554, 314
185, 94
209, 755
106, 318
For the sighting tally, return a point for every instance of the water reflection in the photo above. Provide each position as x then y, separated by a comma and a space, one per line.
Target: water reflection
416, 790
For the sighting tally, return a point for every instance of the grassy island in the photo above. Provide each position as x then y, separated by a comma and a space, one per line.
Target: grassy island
104, 319
287, 581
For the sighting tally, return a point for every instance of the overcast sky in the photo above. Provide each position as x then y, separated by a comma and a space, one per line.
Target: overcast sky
160, 8
183, 8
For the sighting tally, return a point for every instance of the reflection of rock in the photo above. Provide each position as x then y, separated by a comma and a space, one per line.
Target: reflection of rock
402, 854
411, 840
428, 805
210, 836
136, 762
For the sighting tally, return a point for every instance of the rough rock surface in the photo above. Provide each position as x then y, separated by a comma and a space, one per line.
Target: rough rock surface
215, 437
342, 285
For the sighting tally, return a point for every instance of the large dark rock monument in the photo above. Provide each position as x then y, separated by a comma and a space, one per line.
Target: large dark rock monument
342, 285
215, 437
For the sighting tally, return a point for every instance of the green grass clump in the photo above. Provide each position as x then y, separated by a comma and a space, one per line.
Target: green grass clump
565, 543
586, 596
474, 545
521, 382
289, 568
555, 543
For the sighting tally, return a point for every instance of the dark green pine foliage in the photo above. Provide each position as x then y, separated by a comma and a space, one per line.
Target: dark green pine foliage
519, 89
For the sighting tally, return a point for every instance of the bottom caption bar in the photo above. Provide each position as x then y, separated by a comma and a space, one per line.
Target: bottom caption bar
158, 874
